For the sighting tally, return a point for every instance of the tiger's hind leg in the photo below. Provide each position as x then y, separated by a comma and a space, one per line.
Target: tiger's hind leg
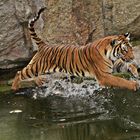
19, 78
16, 82
39, 81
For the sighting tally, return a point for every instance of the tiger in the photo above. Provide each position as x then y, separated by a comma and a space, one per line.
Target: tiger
122, 66
94, 60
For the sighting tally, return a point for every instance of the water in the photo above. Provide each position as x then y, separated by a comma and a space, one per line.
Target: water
107, 114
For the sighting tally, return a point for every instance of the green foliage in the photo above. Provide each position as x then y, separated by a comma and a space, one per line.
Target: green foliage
123, 75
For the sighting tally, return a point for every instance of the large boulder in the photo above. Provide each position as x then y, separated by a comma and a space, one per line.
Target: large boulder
15, 42
71, 21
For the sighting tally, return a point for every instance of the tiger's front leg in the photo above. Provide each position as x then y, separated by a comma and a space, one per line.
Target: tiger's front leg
122, 66
110, 80
133, 70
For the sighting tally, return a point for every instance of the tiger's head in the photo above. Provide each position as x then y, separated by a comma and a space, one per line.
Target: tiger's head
122, 48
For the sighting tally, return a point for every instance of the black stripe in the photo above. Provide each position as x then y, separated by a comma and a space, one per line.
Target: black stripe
47, 56
38, 43
61, 52
73, 56
71, 70
64, 63
32, 24
42, 64
83, 74
85, 60
36, 38
106, 62
55, 52
79, 54
22, 76
115, 50
85, 54
105, 51
27, 73
52, 58
54, 69
32, 29
36, 70
33, 34
91, 60
77, 68
77, 73
60, 69
32, 71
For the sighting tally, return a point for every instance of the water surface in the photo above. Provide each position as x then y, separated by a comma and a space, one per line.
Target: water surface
107, 114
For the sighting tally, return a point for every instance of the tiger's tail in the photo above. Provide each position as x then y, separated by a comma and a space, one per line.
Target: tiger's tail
31, 23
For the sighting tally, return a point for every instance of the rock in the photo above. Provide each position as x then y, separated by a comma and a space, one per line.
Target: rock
71, 21
15, 42
119, 19
12, 45
137, 54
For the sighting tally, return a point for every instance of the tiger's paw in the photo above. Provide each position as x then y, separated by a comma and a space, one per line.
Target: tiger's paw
40, 81
14, 87
136, 85
16, 82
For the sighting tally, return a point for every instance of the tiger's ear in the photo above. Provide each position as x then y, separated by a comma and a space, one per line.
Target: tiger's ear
127, 36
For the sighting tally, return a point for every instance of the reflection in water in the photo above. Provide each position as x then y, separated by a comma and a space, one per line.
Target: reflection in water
102, 115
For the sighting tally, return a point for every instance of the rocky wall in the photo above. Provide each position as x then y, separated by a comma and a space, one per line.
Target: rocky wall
64, 21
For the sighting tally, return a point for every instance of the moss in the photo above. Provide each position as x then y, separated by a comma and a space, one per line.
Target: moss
123, 75
5, 88
89, 78
77, 80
